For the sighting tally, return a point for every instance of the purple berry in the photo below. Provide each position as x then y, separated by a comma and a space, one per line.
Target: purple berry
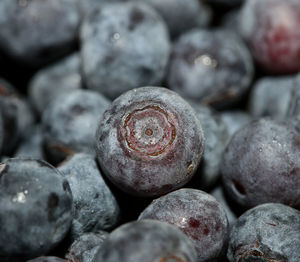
199, 215
149, 141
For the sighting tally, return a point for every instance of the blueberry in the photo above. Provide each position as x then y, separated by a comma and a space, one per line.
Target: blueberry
10, 104
35, 208
219, 194
198, 215
46, 84
148, 241
124, 46
271, 30
261, 164
273, 96
216, 136
35, 32
31, 145
47, 259
267, 232
149, 141
70, 123
94, 205
86, 246
181, 15
234, 120
211, 66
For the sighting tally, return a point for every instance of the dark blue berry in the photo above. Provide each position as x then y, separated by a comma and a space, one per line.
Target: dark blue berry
35, 208
95, 207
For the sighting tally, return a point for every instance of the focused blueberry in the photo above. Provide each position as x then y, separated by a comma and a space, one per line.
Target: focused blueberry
35, 208
70, 123
261, 164
95, 207
216, 136
210, 66
35, 32
46, 84
273, 96
199, 215
148, 241
124, 46
47, 259
149, 141
181, 15
268, 232
84, 248
271, 30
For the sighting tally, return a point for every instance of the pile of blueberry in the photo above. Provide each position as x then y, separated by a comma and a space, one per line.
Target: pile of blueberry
149, 130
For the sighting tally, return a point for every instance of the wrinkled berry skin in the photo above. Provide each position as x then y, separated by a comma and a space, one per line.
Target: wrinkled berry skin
86, 247
271, 28
94, 205
47, 259
70, 123
261, 164
265, 233
35, 208
199, 215
181, 15
273, 96
124, 46
29, 34
148, 241
213, 67
49, 82
149, 141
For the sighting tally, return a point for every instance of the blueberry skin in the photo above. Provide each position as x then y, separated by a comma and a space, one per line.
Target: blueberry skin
273, 96
267, 232
149, 141
28, 33
86, 246
70, 123
210, 66
31, 146
10, 104
234, 120
199, 215
47, 259
219, 194
270, 28
181, 15
261, 160
49, 82
216, 136
148, 241
36, 208
124, 46
95, 207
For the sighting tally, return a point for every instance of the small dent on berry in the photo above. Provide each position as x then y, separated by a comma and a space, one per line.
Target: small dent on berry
52, 205
136, 17
171, 258
238, 188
